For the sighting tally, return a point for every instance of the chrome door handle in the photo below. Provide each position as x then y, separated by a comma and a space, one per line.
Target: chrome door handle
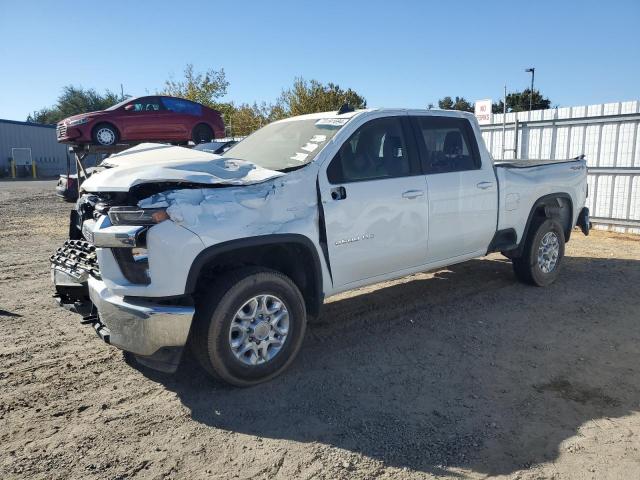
484, 185
413, 194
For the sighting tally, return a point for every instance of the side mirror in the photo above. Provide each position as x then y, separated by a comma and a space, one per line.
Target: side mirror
129, 107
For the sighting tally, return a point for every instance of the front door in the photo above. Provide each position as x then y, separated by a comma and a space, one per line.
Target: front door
374, 202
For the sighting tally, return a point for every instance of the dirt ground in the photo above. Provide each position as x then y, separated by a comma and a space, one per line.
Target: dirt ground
459, 373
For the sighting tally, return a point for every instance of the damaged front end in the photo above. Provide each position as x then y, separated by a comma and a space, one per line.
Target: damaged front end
152, 329
140, 225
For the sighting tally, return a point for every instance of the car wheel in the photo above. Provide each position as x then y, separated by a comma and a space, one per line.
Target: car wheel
542, 255
105, 135
202, 134
249, 327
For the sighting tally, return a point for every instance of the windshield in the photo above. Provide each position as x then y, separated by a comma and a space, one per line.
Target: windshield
120, 104
289, 144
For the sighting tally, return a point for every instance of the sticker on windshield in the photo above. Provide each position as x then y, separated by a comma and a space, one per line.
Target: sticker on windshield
299, 157
318, 138
309, 147
332, 122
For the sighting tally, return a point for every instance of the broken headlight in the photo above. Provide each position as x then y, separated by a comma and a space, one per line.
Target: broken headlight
137, 216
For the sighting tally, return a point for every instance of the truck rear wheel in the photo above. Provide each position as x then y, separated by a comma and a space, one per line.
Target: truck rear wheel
543, 252
249, 327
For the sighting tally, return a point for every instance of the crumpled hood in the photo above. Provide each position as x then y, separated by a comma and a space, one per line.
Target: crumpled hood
150, 163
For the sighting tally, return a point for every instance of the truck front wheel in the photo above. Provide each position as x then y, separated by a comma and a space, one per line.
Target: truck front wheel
543, 252
249, 326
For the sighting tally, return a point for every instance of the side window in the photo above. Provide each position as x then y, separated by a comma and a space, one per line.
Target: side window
178, 105
449, 145
376, 150
147, 104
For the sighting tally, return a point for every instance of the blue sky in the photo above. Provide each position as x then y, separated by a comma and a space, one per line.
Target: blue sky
395, 53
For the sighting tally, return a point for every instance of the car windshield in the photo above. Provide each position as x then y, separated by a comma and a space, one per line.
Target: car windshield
287, 144
120, 104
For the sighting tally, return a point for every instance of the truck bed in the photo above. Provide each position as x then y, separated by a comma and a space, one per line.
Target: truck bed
523, 182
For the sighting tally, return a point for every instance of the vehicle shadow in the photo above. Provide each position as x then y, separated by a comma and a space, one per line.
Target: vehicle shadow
462, 368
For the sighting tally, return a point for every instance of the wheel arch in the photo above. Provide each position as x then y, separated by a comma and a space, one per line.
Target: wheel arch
215, 129
554, 205
203, 123
291, 254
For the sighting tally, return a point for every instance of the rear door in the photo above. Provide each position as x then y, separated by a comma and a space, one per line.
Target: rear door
183, 116
463, 198
374, 203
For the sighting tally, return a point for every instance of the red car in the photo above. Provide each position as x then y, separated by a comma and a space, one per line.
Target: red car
166, 119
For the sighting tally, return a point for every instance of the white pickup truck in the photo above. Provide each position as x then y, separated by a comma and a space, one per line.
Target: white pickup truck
230, 255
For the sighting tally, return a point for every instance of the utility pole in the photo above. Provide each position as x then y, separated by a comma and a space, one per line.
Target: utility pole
121, 92
504, 118
532, 70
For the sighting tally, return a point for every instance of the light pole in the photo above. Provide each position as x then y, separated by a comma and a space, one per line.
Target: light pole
533, 73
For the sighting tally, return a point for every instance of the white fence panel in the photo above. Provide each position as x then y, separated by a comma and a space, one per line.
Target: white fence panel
607, 134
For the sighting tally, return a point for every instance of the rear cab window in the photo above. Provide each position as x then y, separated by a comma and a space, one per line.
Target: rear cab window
447, 144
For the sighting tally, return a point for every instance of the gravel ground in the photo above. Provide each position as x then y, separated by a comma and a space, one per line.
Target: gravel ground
459, 373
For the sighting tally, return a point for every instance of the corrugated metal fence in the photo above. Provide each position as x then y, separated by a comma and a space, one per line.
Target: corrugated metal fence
607, 134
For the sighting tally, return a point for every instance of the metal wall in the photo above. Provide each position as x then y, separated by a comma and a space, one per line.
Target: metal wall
49, 155
607, 134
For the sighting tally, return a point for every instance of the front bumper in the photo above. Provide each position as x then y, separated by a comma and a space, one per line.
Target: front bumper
139, 326
74, 134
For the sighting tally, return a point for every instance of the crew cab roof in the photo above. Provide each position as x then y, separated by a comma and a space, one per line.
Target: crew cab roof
364, 111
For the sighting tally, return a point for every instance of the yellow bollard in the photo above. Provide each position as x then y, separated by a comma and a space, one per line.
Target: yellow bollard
33, 169
13, 169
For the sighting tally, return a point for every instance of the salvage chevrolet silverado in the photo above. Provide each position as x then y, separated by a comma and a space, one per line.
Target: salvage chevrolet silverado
172, 247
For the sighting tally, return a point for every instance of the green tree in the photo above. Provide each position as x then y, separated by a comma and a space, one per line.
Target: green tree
313, 96
72, 101
460, 103
519, 102
303, 97
242, 119
245, 119
205, 88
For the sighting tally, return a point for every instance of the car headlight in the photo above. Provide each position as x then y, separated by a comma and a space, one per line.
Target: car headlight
137, 216
78, 121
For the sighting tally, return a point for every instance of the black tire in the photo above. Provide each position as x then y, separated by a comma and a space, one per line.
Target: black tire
527, 267
216, 309
202, 134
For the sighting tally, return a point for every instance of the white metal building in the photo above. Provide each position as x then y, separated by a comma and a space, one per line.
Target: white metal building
34, 140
